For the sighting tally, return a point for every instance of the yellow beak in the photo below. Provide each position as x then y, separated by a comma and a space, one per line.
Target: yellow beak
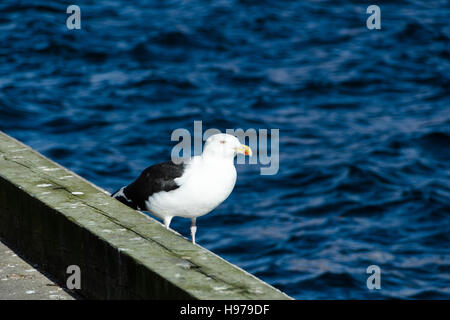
244, 150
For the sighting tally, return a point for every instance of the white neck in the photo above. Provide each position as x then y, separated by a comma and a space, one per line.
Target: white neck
209, 156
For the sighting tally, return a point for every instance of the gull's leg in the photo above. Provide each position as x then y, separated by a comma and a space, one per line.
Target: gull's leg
193, 229
167, 221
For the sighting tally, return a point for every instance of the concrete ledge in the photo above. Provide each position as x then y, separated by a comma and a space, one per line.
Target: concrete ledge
56, 219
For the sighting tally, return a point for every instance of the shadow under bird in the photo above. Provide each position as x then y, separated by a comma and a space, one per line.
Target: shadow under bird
190, 189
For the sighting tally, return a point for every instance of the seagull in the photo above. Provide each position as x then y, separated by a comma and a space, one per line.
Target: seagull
189, 189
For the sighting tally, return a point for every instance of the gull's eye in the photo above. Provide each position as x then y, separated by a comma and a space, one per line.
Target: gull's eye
222, 141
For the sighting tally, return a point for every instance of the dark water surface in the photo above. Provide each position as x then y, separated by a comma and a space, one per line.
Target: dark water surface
363, 116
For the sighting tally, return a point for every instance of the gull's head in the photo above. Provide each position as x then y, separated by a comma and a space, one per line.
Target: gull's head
225, 146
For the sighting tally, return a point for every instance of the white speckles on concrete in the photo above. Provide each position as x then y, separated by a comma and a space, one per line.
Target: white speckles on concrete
185, 265
76, 205
21, 281
45, 168
51, 169
256, 290
65, 177
220, 288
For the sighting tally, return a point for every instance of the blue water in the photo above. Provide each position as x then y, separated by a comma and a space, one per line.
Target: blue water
364, 123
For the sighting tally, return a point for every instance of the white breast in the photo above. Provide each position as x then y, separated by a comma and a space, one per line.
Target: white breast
203, 186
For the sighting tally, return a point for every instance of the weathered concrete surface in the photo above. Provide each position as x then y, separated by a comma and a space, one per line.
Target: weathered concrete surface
56, 219
21, 281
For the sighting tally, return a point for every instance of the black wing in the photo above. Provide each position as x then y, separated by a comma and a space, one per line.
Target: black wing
156, 178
